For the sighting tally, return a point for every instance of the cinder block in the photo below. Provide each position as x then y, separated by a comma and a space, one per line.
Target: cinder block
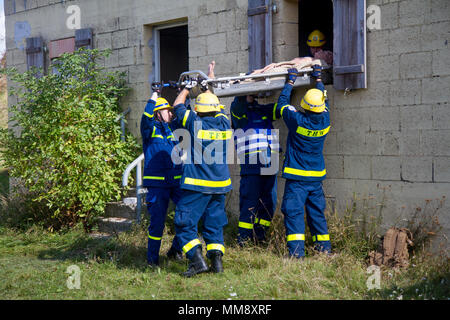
241, 16
404, 40
409, 142
385, 118
109, 24
20, 57
233, 41
386, 168
334, 166
417, 169
435, 142
197, 46
242, 62
389, 16
440, 10
441, 62
137, 74
285, 34
416, 117
134, 36
207, 25
244, 40
377, 44
414, 12
441, 169
357, 167
405, 92
112, 60
432, 36
441, 116
103, 41
126, 56
415, 65
384, 68
435, 90
216, 43
226, 21
390, 143
330, 147
215, 6
119, 39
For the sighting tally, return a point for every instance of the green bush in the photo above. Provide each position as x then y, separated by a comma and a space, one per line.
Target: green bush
65, 145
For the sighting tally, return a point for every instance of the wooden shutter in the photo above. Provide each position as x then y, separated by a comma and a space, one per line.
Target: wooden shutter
83, 38
349, 47
259, 33
35, 54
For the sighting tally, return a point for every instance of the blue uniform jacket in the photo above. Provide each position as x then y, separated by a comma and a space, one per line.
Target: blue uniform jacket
205, 169
246, 116
158, 143
304, 159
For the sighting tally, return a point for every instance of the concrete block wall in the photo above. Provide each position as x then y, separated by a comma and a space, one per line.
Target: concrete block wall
389, 143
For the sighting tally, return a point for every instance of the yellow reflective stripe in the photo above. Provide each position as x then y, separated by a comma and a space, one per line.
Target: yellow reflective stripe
190, 245
264, 118
253, 152
321, 237
214, 135
312, 133
186, 115
283, 109
207, 183
156, 135
215, 246
305, 173
154, 178
296, 236
177, 177
148, 115
171, 136
245, 225
274, 111
154, 238
240, 118
263, 222
221, 115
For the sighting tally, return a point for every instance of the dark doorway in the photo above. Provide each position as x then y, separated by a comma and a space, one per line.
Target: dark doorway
312, 15
173, 56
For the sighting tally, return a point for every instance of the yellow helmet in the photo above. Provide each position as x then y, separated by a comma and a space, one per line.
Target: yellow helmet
314, 100
316, 39
161, 103
207, 102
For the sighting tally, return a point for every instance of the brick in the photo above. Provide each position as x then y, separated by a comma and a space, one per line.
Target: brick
441, 116
441, 169
384, 118
197, 46
405, 92
414, 12
357, 167
441, 62
335, 167
216, 43
386, 168
417, 169
432, 36
119, 39
415, 65
436, 90
403, 40
416, 117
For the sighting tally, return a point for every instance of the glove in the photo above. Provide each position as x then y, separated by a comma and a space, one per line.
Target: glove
317, 71
156, 87
292, 75
204, 85
190, 84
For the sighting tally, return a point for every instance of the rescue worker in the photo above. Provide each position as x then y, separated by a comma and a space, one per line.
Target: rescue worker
161, 176
316, 41
255, 149
205, 181
304, 166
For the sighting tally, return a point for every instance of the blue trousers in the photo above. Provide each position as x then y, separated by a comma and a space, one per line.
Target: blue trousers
194, 207
257, 203
157, 204
300, 196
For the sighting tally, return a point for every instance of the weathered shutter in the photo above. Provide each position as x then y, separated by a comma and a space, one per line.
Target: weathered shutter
35, 54
259, 33
83, 38
349, 47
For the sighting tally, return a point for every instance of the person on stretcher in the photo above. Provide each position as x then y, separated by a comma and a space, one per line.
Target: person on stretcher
316, 41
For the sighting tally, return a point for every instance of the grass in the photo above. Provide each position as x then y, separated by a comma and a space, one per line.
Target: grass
33, 265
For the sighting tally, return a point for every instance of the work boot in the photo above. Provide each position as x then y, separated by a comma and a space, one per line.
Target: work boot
216, 261
174, 254
197, 264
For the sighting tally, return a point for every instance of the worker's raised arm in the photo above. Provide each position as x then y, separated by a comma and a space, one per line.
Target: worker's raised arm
282, 108
317, 74
148, 118
238, 111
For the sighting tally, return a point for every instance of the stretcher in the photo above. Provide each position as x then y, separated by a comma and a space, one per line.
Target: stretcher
245, 84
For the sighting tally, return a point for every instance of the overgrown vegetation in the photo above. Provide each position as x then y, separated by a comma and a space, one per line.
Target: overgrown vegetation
65, 146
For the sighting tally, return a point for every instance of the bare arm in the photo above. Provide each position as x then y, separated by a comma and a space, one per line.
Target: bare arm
181, 97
